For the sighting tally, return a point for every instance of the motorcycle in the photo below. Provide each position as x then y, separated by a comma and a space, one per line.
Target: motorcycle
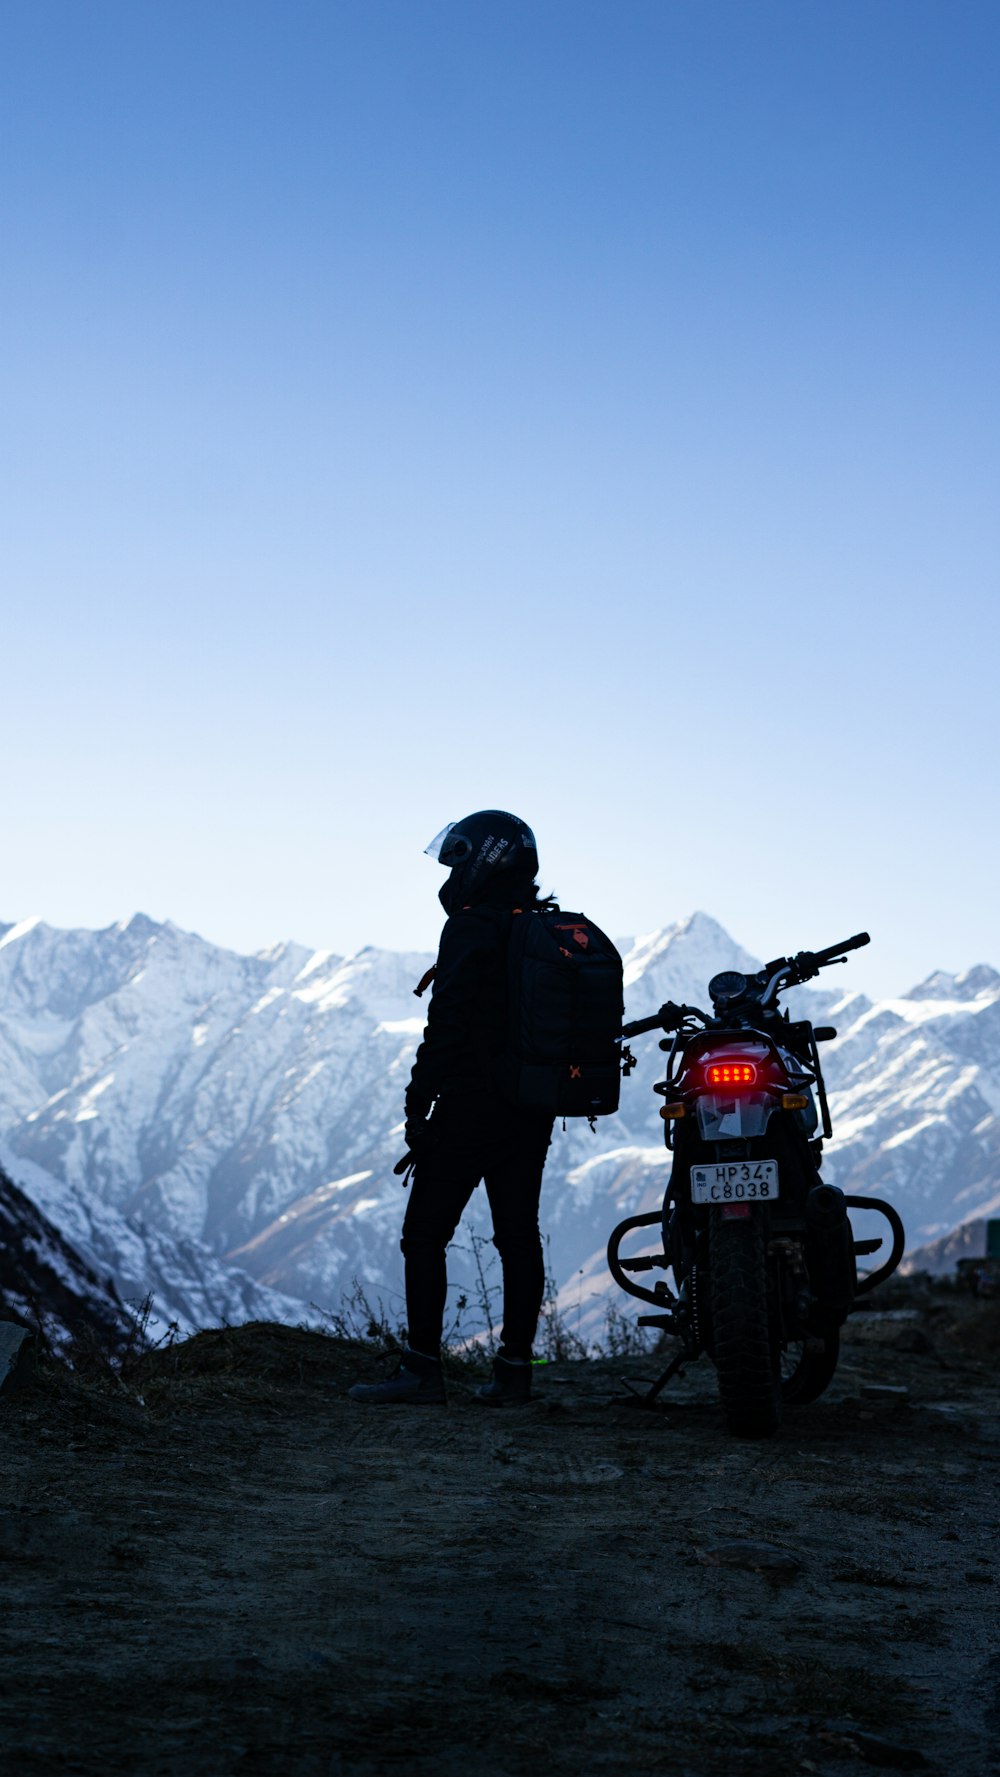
762, 1251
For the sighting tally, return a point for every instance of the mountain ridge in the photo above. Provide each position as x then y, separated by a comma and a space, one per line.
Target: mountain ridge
251, 1105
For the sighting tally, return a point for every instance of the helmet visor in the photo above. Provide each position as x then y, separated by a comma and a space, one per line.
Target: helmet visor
437, 844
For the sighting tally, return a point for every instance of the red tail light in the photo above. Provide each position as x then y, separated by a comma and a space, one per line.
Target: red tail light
730, 1073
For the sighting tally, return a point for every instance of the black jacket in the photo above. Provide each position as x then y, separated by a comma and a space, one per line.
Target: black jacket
466, 1030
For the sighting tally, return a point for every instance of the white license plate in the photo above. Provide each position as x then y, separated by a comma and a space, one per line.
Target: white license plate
735, 1181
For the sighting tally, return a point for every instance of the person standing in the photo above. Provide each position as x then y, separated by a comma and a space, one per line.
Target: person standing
460, 1129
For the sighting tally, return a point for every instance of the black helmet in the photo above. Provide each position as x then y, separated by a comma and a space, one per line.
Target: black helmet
478, 848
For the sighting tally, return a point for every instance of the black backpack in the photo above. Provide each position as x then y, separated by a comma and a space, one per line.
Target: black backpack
565, 1010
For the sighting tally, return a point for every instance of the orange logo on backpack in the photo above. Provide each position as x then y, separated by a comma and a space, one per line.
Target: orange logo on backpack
574, 1072
580, 936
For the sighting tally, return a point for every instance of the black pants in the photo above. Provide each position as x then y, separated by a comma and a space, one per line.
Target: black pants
477, 1138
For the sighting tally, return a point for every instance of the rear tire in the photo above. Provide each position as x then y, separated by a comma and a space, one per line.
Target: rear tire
804, 1381
746, 1344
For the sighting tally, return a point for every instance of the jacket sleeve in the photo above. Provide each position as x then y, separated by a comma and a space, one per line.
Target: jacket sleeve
451, 1037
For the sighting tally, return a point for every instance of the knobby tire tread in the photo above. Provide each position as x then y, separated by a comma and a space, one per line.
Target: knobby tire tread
746, 1356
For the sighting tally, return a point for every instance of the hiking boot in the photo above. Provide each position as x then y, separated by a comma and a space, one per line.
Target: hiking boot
511, 1384
416, 1382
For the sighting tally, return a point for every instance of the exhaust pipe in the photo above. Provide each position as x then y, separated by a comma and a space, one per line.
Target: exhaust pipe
833, 1275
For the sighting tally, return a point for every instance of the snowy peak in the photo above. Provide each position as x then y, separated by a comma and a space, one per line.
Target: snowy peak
373, 984
682, 958
978, 983
285, 961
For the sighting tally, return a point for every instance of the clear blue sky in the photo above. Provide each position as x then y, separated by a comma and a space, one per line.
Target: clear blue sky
590, 409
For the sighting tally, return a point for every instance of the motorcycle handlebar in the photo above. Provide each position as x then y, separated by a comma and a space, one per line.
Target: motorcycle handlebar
856, 943
669, 1017
639, 1026
812, 960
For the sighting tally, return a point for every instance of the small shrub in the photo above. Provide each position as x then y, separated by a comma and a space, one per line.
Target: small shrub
622, 1336
361, 1322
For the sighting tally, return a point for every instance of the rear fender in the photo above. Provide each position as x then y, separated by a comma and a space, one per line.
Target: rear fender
734, 1117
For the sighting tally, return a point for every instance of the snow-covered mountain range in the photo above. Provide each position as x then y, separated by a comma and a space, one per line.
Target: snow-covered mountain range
222, 1128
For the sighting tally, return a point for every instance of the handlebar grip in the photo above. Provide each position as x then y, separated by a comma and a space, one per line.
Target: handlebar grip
669, 1017
856, 943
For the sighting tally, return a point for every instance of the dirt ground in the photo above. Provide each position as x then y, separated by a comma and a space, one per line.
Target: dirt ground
243, 1572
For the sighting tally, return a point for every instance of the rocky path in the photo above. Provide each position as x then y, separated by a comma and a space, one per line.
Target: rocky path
248, 1574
